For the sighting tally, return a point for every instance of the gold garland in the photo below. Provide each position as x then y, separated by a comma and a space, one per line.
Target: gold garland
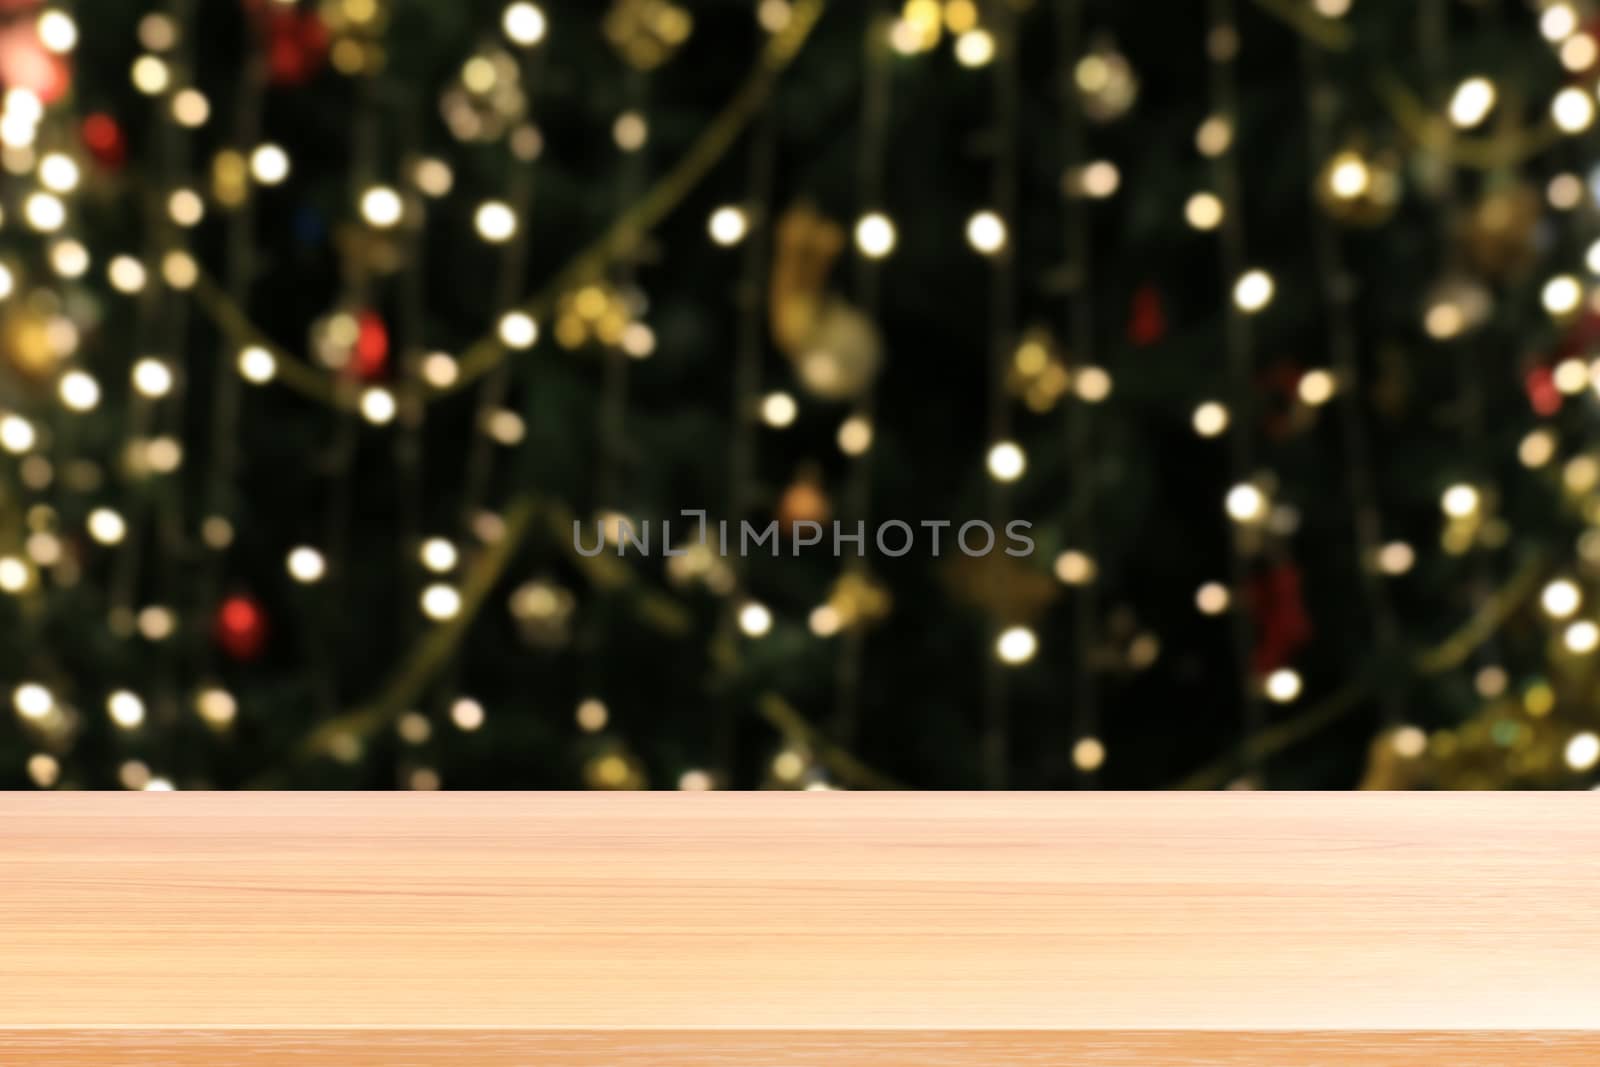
623, 236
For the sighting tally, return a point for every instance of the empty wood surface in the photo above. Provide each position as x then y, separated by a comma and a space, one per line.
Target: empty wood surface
792, 1048
912, 928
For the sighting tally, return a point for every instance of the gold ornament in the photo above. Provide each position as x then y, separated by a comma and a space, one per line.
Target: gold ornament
840, 358
597, 313
647, 33
1003, 587
836, 350
355, 34
858, 599
543, 611
614, 768
1107, 85
1498, 234
486, 99
1037, 375
26, 345
804, 501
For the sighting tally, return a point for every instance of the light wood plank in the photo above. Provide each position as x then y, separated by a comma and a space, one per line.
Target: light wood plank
794, 1048
1317, 917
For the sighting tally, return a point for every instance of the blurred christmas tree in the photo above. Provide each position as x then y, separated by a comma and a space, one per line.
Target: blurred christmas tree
322, 323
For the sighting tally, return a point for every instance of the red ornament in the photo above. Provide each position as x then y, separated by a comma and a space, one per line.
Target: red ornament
1278, 610
1543, 396
372, 346
1147, 320
25, 63
241, 627
104, 140
296, 41
1281, 383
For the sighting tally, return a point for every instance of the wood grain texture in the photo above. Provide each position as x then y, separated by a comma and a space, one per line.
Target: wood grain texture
910, 927
789, 1048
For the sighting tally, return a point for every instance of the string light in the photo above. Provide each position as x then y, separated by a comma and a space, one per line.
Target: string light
1253, 291
1317, 387
179, 269
1572, 110
1583, 751
855, 435
441, 602
467, 714
16, 434
1561, 598
126, 274
32, 701
986, 232
1472, 102
1088, 754
1214, 137
158, 32
1246, 503
185, 207
779, 410
79, 392
1562, 295
433, 177
157, 622
875, 235
1092, 384
439, 555
44, 212
58, 172
1203, 211
1007, 462
1349, 178
1073, 567
57, 32
125, 709
1212, 598
106, 526
1283, 686
1582, 637
524, 24
440, 370
306, 565
190, 108
382, 207
1558, 21
151, 75
1396, 558
68, 258
592, 715
15, 576
755, 620
1460, 501
496, 222
269, 164
378, 405
1210, 419
152, 378
975, 48
1016, 645
728, 226
518, 330
257, 365
630, 131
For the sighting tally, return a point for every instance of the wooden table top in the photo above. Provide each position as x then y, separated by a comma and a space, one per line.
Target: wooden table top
890, 928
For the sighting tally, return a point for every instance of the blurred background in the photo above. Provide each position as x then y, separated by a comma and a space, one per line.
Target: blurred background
322, 322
